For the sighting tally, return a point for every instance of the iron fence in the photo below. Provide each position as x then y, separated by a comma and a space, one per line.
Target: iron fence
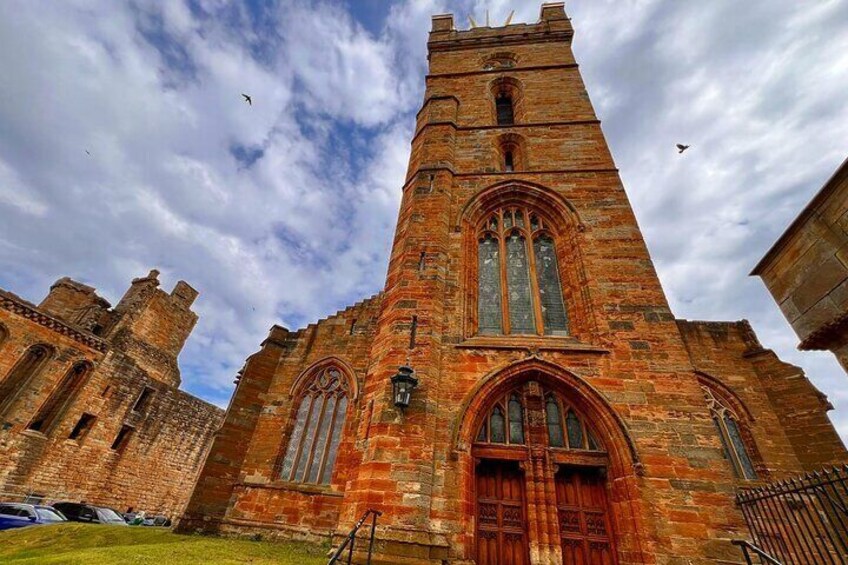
803, 520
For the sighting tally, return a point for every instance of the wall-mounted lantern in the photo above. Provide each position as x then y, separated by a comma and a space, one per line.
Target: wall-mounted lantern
403, 384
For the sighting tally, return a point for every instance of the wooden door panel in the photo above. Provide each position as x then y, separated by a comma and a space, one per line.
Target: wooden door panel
501, 521
583, 517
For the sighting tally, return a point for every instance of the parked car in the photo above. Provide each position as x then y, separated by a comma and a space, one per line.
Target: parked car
81, 512
16, 515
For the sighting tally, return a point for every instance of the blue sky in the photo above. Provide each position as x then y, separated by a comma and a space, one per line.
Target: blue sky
284, 211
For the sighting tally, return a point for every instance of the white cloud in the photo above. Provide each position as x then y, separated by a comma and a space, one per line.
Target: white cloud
284, 211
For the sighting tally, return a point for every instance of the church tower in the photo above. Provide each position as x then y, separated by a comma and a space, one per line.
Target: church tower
562, 413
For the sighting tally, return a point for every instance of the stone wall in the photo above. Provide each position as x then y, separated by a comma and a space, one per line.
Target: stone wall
806, 271
624, 363
171, 430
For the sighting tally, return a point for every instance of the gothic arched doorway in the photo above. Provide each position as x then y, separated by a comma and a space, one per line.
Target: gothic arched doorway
540, 479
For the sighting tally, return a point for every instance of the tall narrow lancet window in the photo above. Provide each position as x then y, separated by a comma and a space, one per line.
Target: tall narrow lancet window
54, 407
317, 429
27, 367
521, 293
3, 334
503, 105
730, 432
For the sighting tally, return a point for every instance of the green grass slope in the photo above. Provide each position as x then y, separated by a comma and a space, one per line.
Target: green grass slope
95, 545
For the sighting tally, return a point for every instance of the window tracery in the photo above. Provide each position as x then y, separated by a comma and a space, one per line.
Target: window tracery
315, 436
519, 288
27, 367
54, 407
505, 423
730, 431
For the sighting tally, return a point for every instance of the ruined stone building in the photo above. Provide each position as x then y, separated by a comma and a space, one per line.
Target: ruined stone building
806, 270
90, 406
562, 413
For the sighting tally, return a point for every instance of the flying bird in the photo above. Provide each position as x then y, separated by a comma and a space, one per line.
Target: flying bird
86, 152
681, 148
247, 98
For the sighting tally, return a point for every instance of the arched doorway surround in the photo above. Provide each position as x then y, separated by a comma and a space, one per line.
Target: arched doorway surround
608, 469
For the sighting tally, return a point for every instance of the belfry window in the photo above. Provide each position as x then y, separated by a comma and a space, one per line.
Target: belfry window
519, 290
316, 431
730, 432
503, 105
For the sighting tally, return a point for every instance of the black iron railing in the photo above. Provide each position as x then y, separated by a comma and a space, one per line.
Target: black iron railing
350, 541
748, 548
800, 521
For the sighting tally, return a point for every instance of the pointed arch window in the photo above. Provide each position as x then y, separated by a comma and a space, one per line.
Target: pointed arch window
313, 443
731, 433
519, 289
566, 427
505, 421
54, 407
28, 366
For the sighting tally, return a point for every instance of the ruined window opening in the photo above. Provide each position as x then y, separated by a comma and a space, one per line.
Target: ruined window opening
422, 259
27, 367
503, 105
352, 326
521, 293
123, 438
51, 412
730, 432
143, 400
4, 333
316, 431
82, 427
106, 390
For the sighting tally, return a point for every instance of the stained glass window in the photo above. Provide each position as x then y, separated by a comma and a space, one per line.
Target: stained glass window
516, 420
554, 421
521, 293
521, 319
316, 431
496, 426
489, 294
732, 442
550, 291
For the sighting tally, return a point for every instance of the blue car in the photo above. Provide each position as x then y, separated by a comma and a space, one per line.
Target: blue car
15, 515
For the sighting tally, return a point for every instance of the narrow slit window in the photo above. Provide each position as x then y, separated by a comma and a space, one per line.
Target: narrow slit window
509, 166
82, 427
143, 400
730, 432
123, 438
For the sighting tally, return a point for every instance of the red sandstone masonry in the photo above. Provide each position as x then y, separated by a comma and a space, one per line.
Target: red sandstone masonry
628, 364
157, 469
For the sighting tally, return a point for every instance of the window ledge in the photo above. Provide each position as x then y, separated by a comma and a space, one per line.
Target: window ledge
305, 488
33, 434
541, 343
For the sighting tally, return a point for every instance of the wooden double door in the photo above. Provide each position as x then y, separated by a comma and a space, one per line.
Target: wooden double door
582, 515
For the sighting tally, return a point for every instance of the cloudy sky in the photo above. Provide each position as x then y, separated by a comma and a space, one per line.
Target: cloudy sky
284, 211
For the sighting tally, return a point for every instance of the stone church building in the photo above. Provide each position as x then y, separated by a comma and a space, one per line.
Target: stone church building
90, 406
562, 413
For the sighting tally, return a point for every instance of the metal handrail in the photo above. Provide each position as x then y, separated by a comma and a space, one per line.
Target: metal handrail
351, 538
747, 546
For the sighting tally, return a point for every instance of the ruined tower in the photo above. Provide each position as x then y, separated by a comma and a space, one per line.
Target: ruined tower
563, 414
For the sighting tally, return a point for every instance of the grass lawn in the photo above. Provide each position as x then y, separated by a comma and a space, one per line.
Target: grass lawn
95, 545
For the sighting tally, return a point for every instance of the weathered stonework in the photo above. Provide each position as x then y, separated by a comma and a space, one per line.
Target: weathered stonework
635, 373
806, 270
123, 352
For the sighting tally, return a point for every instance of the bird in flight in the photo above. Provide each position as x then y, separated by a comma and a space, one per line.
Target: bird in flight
681, 148
247, 98
86, 152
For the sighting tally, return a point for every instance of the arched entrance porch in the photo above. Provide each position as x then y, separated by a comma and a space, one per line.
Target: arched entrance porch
550, 472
